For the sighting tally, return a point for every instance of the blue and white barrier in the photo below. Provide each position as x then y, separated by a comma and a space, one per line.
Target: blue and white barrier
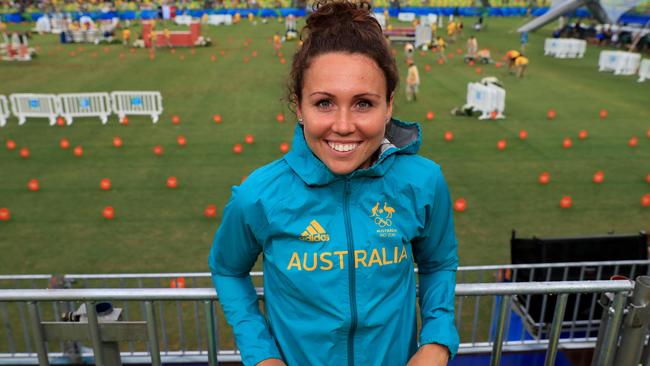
26, 106
219, 19
144, 103
74, 105
4, 110
644, 70
487, 99
620, 62
565, 47
85, 105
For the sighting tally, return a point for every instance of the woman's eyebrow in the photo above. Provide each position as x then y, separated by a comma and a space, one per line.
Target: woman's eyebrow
321, 92
355, 96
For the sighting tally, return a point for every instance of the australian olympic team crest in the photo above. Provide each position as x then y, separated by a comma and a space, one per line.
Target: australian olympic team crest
383, 217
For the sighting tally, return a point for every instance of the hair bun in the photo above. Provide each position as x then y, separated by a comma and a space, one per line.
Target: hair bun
332, 14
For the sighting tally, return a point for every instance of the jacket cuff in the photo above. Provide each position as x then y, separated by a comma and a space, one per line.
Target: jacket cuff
441, 331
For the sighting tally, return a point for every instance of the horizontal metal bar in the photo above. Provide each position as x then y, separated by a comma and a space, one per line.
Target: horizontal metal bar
109, 332
463, 289
552, 265
260, 274
233, 356
25, 277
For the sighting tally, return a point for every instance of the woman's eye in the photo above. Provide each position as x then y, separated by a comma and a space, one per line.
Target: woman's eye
364, 104
325, 103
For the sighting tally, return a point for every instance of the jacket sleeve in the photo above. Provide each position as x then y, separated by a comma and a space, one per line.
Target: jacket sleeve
435, 254
234, 252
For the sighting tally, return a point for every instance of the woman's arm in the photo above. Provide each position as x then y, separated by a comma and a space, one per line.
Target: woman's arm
435, 254
234, 252
430, 355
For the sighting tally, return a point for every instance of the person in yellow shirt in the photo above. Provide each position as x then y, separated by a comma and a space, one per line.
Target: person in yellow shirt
154, 38
441, 45
126, 36
451, 31
412, 81
521, 63
277, 43
168, 36
512, 56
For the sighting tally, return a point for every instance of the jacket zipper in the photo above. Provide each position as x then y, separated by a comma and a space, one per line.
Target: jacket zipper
351, 272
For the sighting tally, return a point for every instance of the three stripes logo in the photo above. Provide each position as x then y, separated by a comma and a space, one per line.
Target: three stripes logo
314, 233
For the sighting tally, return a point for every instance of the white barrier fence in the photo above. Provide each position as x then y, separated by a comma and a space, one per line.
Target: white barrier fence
620, 62
144, 103
406, 17
35, 106
74, 105
219, 19
565, 47
85, 105
422, 35
183, 19
4, 110
644, 70
487, 99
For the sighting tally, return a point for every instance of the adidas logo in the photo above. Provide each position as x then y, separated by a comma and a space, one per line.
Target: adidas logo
314, 232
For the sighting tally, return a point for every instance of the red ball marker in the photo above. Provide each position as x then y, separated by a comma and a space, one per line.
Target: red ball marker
105, 184
566, 202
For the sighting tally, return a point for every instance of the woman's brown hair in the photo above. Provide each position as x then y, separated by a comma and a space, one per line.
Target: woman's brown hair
341, 26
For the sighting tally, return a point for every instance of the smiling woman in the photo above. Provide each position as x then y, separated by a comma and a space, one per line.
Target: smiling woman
342, 219
344, 110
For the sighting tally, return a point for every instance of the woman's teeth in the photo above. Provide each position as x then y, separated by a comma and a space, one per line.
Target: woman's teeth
343, 147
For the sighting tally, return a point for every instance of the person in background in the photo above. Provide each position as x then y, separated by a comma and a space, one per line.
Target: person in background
451, 31
412, 81
472, 46
126, 36
521, 63
441, 46
277, 43
511, 56
408, 52
523, 39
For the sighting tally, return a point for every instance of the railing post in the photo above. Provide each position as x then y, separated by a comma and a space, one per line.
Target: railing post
152, 333
93, 326
497, 346
37, 333
606, 351
556, 327
211, 333
635, 326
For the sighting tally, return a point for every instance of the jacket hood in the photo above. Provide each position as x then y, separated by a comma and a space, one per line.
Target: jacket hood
400, 138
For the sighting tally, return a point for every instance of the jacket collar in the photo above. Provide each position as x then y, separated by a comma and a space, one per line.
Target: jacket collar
400, 138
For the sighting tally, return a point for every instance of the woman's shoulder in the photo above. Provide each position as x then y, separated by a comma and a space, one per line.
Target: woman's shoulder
265, 175
266, 182
417, 169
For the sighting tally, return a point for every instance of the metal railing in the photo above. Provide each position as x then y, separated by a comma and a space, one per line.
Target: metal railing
503, 295
182, 323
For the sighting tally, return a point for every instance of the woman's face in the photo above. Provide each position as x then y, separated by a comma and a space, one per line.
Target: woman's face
344, 110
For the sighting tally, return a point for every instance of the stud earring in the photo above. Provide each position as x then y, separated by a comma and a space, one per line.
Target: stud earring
300, 120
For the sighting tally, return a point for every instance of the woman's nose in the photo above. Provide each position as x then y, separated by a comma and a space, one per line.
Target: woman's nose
343, 124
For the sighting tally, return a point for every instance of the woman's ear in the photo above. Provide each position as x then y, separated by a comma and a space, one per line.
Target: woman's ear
389, 110
298, 109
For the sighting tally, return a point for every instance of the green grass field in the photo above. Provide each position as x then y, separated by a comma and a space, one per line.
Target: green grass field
60, 229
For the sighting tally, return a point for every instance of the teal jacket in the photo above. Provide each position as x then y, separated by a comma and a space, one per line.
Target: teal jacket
339, 255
